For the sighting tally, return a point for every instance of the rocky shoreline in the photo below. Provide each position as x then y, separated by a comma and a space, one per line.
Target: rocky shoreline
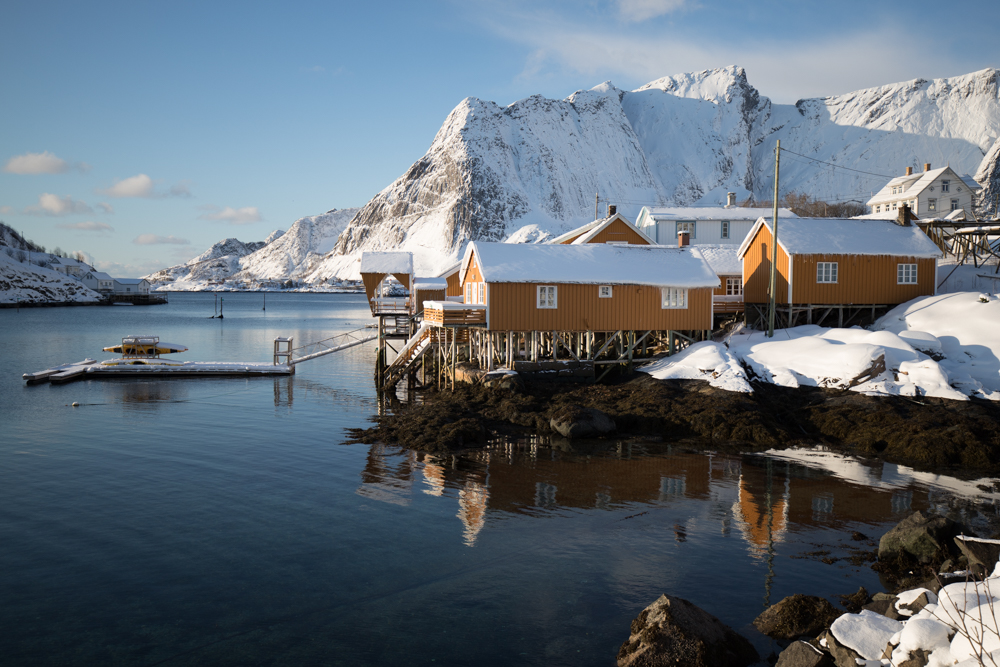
926, 433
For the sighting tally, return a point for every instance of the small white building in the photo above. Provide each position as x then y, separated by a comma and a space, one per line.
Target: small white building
131, 286
705, 225
933, 193
98, 281
69, 267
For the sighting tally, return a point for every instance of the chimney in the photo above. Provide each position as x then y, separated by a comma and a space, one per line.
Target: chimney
612, 209
730, 199
909, 171
683, 238
927, 166
904, 216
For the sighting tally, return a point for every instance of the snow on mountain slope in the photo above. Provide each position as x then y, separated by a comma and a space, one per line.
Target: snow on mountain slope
219, 262
295, 253
684, 140
988, 175
28, 283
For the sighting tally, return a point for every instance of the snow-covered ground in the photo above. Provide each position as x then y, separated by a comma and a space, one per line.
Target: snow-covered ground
28, 283
946, 346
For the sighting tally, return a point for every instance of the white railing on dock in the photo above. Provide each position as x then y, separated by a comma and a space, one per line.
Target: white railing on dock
330, 345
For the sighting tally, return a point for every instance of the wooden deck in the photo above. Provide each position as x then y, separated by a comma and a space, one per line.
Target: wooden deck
450, 314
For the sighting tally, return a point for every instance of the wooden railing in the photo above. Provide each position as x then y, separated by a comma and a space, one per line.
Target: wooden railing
451, 316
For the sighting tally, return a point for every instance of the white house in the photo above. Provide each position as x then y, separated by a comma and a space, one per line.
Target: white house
98, 281
131, 286
705, 225
69, 267
933, 193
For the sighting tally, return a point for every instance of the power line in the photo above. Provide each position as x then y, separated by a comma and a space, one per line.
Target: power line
836, 166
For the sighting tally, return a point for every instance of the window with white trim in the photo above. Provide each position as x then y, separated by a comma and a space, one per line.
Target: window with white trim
906, 274
878, 209
482, 293
932, 204
547, 296
945, 186
954, 204
604, 291
468, 292
826, 272
675, 297
725, 229
734, 286
688, 227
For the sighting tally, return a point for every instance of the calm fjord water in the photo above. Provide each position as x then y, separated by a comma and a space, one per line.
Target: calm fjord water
222, 521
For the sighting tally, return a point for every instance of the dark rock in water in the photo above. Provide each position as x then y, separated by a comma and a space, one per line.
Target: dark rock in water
804, 654
674, 632
855, 601
982, 556
796, 616
843, 656
921, 538
578, 422
886, 607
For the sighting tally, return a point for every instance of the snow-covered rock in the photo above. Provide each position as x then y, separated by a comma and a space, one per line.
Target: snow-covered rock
685, 139
219, 262
28, 283
299, 252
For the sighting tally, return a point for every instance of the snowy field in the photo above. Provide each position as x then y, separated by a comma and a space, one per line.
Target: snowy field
946, 346
28, 283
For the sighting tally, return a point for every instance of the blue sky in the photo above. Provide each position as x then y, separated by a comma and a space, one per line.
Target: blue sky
142, 132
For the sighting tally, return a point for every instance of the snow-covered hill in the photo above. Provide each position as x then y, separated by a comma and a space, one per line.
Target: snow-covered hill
28, 283
685, 139
219, 262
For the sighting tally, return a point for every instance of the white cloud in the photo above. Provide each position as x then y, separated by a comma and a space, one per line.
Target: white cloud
88, 226
50, 204
640, 10
153, 239
105, 207
234, 216
6, 210
41, 163
140, 185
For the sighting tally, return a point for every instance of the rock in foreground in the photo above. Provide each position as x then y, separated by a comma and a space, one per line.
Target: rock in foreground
796, 616
922, 538
674, 632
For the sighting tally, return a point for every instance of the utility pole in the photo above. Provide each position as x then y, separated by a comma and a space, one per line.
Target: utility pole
597, 205
774, 245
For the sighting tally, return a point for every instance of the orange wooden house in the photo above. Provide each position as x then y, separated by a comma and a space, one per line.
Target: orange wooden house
856, 268
614, 229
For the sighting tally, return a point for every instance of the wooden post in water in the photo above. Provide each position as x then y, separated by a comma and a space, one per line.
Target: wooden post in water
774, 244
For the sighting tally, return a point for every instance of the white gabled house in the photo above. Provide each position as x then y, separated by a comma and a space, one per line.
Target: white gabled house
704, 225
131, 286
933, 193
98, 281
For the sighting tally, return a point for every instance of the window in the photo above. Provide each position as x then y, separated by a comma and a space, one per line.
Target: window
945, 186
547, 296
482, 293
734, 286
468, 292
604, 291
688, 227
725, 229
906, 274
932, 204
954, 204
675, 297
826, 272
894, 205
878, 209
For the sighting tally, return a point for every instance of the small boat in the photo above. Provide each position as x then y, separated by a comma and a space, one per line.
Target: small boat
144, 346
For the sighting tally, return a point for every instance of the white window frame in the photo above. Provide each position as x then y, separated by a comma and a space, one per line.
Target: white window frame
604, 291
878, 208
725, 229
547, 296
826, 273
673, 298
945, 186
906, 274
954, 205
734, 286
482, 293
932, 204
468, 292
690, 225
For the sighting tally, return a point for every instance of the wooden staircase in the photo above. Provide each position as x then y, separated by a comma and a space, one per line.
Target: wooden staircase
408, 357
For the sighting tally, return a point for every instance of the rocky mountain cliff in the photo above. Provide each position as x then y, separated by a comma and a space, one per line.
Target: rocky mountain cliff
988, 176
686, 140
219, 262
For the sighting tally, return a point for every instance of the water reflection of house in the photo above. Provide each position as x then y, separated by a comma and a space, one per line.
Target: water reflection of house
472, 501
387, 476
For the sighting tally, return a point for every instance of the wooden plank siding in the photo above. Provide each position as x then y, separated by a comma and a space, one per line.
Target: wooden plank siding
721, 291
757, 269
861, 279
513, 307
428, 295
454, 284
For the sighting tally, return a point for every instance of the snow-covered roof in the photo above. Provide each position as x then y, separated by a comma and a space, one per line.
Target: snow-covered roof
429, 284
592, 264
450, 270
723, 258
130, 281
583, 229
839, 236
712, 213
590, 234
387, 262
970, 182
100, 275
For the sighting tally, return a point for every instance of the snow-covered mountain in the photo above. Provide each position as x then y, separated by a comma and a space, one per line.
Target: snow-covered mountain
219, 262
988, 176
28, 283
295, 254
683, 140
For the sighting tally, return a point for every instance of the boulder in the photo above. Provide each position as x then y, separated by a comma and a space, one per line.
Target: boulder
918, 604
579, 422
503, 379
675, 632
796, 616
981, 554
921, 537
843, 656
466, 371
884, 607
804, 654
